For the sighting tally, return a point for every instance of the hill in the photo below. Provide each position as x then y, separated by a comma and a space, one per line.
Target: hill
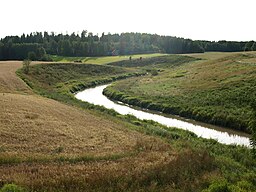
58, 143
47, 145
217, 89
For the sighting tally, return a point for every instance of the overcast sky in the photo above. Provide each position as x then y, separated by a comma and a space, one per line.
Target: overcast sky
194, 19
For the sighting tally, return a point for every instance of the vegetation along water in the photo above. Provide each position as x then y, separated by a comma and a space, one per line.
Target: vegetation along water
51, 141
160, 154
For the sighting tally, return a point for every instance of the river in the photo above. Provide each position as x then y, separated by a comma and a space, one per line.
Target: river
222, 135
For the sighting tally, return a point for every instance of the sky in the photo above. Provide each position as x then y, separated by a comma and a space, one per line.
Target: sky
232, 20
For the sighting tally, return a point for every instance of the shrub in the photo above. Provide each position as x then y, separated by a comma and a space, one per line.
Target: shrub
26, 65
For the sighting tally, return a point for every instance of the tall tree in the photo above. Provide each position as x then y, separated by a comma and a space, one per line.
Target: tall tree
88, 44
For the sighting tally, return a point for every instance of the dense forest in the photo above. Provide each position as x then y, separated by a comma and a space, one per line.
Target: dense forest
38, 45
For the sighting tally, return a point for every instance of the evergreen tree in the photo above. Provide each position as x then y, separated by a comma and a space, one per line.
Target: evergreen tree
88, 44
40, 53
32, 56
1, 51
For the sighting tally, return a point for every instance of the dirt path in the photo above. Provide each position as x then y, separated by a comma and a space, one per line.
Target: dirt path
9, 82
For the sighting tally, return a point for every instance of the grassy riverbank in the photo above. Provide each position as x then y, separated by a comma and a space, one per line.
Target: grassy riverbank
217, 90
162, 159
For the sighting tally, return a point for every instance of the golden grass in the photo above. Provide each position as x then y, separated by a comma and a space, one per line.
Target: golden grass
9, 83
68, 176
49, 146
31, 124
36, 132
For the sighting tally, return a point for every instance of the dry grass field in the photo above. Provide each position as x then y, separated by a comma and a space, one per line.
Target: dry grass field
34, 125
47, 145
9, 82
39, 137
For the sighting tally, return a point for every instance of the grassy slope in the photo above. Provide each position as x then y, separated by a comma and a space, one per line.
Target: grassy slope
149, 165
46, 145
102, 60
9, 83
161, 61
218, 90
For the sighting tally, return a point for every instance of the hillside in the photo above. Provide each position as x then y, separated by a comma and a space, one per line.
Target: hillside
40, 137
50, 141
217, 89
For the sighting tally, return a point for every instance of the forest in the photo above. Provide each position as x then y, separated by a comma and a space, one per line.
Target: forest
38, 45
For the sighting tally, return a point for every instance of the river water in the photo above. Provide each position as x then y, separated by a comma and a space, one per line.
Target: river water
222, 135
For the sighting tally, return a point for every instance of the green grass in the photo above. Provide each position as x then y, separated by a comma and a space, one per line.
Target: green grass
165, 61
12, 188
68, 78
199, 164
217, 91
102, 60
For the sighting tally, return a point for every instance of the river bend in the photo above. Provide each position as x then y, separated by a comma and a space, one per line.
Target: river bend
96, 97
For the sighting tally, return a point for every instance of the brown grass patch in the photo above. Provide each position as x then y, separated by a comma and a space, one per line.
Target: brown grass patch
9, 82
45, 144
34, 125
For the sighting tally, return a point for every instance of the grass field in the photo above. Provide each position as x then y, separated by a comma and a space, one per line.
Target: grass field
8, 79
102, 60
44, 144
68, 145
217, 90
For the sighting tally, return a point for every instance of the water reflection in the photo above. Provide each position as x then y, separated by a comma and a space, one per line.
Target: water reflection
95, 96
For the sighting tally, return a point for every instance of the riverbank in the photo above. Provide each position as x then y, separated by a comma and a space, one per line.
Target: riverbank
95, 96
47, 145
218, 91
159, 163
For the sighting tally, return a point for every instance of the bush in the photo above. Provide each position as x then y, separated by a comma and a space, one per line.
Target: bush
26, 65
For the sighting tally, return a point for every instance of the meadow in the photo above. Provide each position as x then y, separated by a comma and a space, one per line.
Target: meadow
102, 60
50, 141
218, 90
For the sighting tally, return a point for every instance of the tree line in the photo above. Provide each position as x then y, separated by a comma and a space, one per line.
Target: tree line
38, 45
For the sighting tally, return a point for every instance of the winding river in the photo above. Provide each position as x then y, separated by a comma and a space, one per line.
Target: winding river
222, 135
